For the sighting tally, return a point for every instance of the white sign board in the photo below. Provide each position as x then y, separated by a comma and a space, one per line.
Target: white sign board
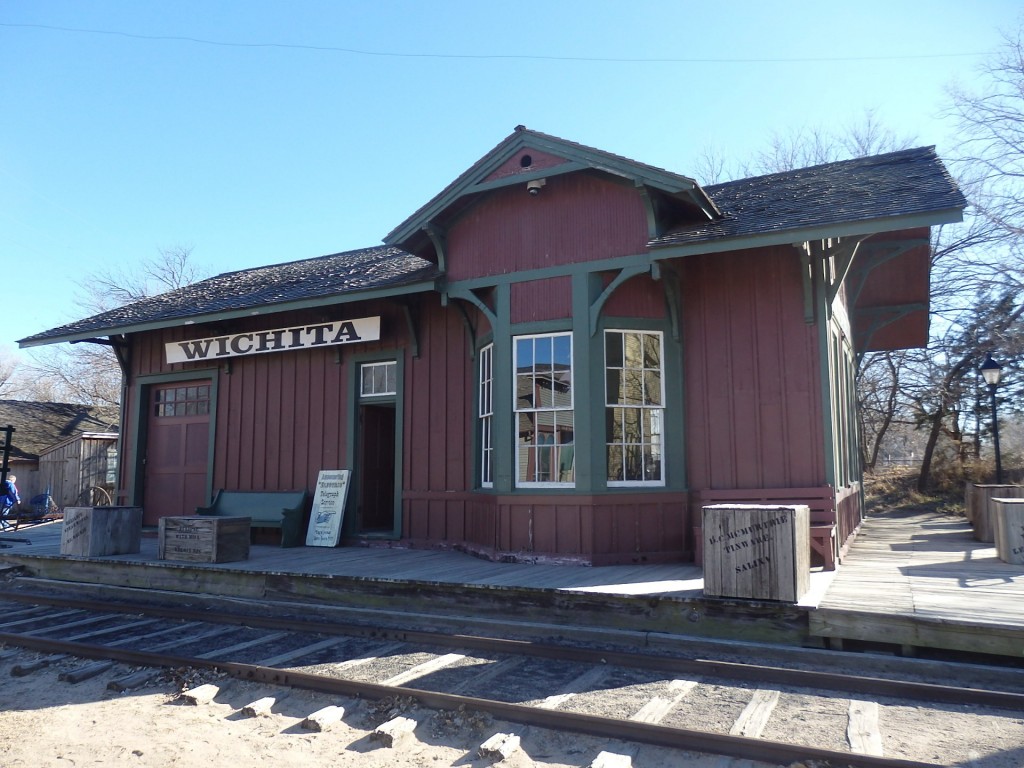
275, 340
328, 508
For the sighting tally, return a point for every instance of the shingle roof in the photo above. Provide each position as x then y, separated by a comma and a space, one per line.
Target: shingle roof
277, 285
37, 426
912, 181
829, 198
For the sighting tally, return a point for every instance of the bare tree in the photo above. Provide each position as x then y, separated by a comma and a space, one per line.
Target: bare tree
10, 385
990, 122
978, 270
172, 268
879, 401
89, 373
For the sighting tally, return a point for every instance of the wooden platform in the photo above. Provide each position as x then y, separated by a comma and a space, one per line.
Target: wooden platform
922, 580
917, 580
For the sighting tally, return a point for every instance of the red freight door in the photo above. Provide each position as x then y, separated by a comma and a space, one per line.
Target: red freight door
177, 450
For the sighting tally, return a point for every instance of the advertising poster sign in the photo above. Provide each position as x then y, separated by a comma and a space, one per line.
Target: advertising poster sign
328, 508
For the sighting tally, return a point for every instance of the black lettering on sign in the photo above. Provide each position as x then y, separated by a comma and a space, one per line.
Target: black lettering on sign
757, 562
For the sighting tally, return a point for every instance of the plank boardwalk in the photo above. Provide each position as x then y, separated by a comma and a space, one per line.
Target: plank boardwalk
921, 579
909, 578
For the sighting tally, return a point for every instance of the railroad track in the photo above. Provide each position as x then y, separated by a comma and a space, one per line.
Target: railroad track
708, 705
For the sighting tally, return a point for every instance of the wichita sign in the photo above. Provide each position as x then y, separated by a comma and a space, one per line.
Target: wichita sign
277, 340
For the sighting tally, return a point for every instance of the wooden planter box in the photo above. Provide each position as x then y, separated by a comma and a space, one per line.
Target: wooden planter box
756, 552
1008, 515
204, 539
99, 531
980, 509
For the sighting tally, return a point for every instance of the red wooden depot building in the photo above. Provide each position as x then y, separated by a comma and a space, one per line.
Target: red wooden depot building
560, 357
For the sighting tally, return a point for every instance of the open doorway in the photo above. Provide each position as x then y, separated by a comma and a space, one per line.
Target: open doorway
376, 487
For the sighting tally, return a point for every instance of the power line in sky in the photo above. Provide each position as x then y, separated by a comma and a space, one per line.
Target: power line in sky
520, 57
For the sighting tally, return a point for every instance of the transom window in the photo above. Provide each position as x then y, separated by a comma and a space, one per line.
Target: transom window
486, 413
634, 407
378, 379
545, 450
183, 401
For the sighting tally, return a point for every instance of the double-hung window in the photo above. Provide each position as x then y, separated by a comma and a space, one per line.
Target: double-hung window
485, 412
634, 407
545, 450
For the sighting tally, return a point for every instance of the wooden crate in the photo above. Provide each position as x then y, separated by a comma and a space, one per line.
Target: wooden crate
1008, 516
980, 508
204, 539
98, 531
756, 552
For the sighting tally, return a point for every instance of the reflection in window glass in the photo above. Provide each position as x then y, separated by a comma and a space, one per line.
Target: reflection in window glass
634, 414
545, 432
378, 379
182, 401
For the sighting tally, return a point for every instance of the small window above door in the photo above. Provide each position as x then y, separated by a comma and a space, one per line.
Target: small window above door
378, 379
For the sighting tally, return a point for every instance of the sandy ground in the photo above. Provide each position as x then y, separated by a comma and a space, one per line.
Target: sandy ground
51, 723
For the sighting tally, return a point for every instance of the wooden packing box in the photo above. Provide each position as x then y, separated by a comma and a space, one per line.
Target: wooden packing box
1008, 515
980, 509
757, 552
99, 531
204, 539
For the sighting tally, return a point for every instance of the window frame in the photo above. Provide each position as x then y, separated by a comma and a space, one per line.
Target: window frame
656, 411
389, 366
485, 414
553, 451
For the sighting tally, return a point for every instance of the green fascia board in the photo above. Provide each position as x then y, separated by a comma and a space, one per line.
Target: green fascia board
723, 245
542, 273
234, 314
578, 156
803, 234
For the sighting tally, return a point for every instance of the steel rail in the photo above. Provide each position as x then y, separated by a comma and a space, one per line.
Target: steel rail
629, 731
739, 671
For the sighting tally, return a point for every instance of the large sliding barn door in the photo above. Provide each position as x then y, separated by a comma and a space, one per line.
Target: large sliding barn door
177, 450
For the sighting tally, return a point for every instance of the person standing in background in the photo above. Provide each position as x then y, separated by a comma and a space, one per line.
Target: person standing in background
8, 501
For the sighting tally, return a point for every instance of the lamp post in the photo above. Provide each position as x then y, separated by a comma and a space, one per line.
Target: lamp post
993, 371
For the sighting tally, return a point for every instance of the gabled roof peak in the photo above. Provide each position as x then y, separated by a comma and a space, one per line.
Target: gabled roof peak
563, 157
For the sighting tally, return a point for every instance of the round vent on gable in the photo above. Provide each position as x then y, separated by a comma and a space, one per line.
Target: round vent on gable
525, 161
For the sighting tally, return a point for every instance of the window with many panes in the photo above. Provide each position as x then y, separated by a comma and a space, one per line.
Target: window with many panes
634, 407
485, 411
545, 451
378, 379
183, 401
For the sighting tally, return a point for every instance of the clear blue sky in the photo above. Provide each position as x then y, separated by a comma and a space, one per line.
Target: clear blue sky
259, 132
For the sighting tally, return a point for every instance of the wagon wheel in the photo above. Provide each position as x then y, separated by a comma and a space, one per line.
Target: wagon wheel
94, 497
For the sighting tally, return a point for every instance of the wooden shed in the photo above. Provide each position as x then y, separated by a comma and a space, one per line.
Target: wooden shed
562, 356
43, 427
81, 470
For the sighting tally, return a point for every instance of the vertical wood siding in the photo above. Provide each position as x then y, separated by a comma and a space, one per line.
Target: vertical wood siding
575, 218
753, 395
72, 467
892, 282
542, 300
602, 529
639, 296
281, 417
440, 424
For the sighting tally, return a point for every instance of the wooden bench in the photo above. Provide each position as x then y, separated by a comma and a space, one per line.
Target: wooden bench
268, 509
821, 501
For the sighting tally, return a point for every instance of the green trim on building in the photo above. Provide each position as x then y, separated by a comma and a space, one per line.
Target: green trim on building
355, 399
